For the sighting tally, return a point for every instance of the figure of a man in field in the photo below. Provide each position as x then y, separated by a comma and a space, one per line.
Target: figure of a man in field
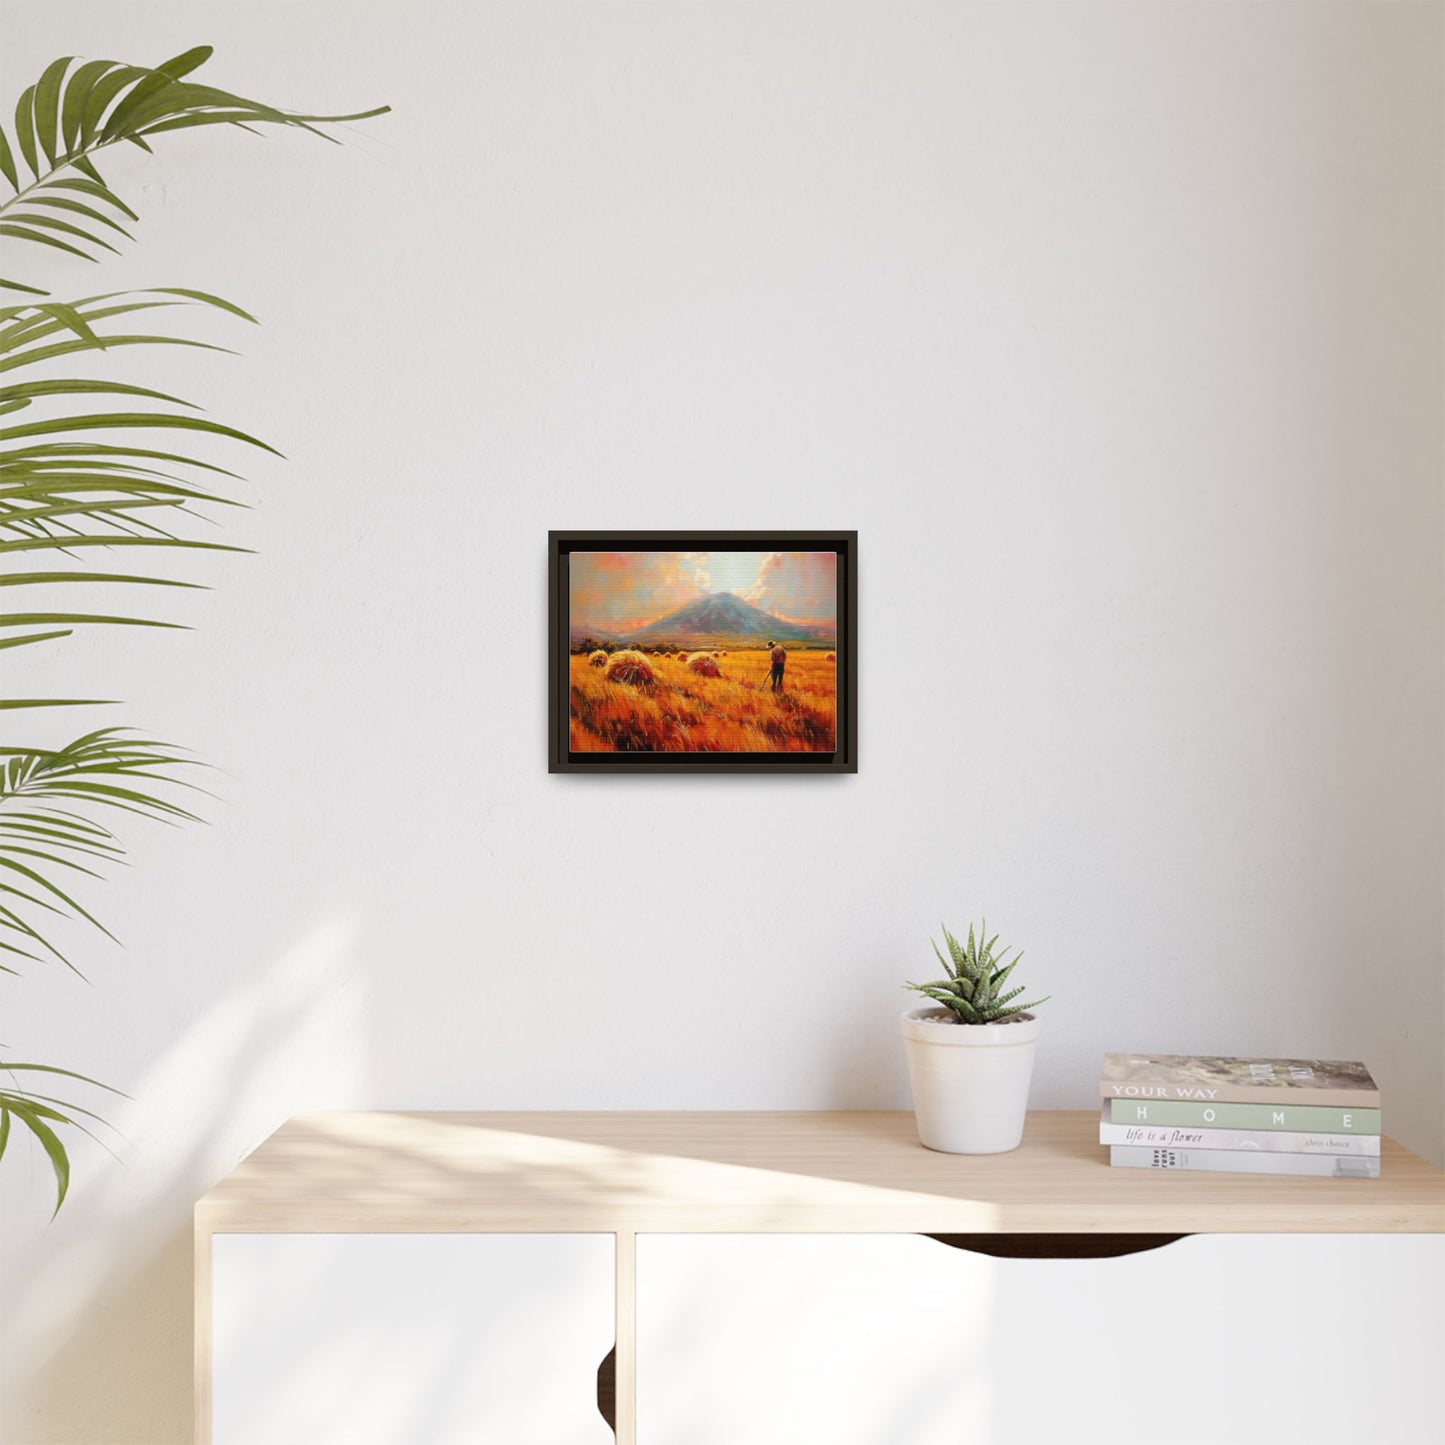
778, 657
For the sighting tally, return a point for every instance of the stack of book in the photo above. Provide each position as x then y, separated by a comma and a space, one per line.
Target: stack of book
1242, 1116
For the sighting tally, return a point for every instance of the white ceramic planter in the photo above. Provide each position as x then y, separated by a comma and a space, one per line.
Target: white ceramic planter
970, 1081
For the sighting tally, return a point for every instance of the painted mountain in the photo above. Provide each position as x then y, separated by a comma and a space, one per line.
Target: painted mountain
726, 618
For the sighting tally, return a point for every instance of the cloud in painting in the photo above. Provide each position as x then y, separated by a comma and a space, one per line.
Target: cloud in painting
615, 592
799, 586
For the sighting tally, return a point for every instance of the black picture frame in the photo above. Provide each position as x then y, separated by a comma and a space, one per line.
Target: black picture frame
560, 759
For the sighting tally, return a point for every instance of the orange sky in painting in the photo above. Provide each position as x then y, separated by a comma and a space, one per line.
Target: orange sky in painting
617, 592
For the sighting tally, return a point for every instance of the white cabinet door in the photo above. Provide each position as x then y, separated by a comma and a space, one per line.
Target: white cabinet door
410, 1339
900, 1340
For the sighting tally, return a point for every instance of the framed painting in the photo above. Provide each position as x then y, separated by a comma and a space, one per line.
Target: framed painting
703, 652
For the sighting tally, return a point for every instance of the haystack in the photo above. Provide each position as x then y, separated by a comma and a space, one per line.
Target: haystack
631, 667
704, 665
598, 658
832, 657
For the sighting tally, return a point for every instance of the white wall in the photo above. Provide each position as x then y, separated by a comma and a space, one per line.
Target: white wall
1116, 332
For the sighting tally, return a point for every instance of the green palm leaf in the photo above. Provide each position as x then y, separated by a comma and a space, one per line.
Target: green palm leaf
69, 116
40, 1113
63, 491
30, 1115
108, 768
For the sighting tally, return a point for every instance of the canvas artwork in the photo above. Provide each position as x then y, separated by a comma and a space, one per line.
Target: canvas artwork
726, 654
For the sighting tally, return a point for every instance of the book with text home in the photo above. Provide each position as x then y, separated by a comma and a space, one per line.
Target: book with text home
1216, 1079
1264, 1141
1301, 1118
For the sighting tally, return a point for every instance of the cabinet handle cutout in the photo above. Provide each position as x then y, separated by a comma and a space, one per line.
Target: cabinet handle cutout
1056, 1246
607, 1389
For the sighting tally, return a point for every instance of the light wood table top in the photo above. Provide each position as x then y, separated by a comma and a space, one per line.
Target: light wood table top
746, 1172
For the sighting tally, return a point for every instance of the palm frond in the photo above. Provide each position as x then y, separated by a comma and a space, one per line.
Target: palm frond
74, 111
64, 491
110, 769
41, 1114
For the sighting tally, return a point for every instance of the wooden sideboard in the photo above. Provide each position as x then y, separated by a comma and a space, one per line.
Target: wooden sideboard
606, 1181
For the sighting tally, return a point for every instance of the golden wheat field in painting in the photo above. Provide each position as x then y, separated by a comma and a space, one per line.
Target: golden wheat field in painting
670, 707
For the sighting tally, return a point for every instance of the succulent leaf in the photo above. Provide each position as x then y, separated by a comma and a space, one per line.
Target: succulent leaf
948, 968
974, 990
960, 958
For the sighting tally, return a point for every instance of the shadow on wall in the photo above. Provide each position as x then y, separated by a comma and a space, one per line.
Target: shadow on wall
97, 1338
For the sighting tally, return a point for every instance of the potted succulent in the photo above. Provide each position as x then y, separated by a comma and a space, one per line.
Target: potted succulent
970, 1058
